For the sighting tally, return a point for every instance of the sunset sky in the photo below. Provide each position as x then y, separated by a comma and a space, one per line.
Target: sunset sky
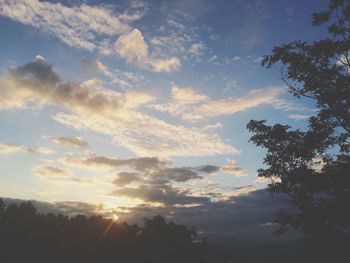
140, 107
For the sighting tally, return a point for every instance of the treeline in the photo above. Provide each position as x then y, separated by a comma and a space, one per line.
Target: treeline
28, 236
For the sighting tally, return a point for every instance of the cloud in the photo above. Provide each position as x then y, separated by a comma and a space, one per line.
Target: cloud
11, 148
38, 83
212, 126
102, 162
51, 172
133, 48
183, 99
177, 174
149, 166
149, 136
298, 117
92, 107
284, 105
258, 60
187, 95
191, 105
68, 141
94, 67
91, 27
158, 193
80, 26
197, 49
166, 65
122, 83
209, 169
126, 178
233, 105
232, 168
213, 58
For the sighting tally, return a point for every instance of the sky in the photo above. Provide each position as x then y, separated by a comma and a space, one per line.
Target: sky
133, 108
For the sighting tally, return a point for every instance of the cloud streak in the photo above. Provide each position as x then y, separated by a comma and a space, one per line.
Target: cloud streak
12, 148
78, 26
190, 105
76, 142
51, 172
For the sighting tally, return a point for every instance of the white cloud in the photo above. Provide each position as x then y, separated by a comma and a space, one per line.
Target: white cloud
213, 58
212, 126
149, 136
51, 172
107, 112
232, 105
232, 168
166, 65
122, 83
298, 117
68, 141
258, 60
11, 148
187, 95
196, 49
78, 26
191, 105
133, 48
284, 105
183, 99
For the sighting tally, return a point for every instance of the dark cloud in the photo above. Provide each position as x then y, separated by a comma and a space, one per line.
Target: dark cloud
208, 169
159, 193
125, 178
38, 70
43, 85
177, 174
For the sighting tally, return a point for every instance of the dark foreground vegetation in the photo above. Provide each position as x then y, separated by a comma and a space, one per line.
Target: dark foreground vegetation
312, 167
29, 237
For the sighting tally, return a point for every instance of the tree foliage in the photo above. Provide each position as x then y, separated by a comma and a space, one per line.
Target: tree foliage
313, 167
27, 236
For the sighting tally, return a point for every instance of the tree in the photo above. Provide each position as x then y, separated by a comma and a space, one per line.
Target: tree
313, 167
28, 236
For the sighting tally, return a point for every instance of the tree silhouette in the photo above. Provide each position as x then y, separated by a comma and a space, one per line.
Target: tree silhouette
312, 167
27, 236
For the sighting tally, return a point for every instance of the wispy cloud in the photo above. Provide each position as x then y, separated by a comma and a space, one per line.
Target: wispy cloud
78, 26
68, 141
191, 105
91, 27
298, 117
232, 168
104, 111
51, 172
11, 148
